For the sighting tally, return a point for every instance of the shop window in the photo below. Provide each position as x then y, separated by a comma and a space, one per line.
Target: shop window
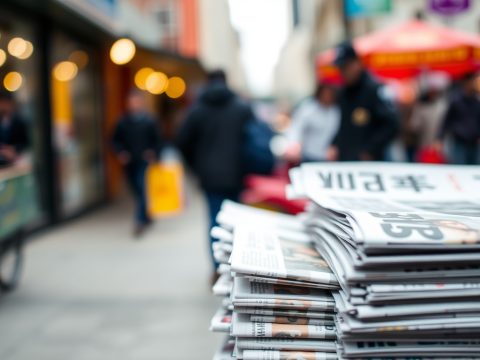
20, 87
76, 124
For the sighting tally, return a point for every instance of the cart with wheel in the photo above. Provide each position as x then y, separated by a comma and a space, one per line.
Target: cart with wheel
17, 209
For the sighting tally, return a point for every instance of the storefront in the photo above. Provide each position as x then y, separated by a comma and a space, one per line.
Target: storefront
21, 59
55, 63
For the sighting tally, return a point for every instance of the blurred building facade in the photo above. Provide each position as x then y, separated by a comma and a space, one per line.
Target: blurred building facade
219, 45
317, 25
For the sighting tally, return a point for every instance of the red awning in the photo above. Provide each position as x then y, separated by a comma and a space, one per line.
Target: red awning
405, 50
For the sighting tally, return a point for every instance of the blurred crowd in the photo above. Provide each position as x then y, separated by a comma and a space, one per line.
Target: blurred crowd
362, 120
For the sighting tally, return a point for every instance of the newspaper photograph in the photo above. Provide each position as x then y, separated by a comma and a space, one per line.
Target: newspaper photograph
264, 253
242, 327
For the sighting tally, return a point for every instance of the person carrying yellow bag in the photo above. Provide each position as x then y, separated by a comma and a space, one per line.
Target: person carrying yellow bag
137, 143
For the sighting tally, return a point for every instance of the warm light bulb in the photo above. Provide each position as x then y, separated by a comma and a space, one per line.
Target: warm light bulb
122, 51
12, 81
3, 57
65, 71
27, 52
141, 77
176, 87
17, 46
156, 82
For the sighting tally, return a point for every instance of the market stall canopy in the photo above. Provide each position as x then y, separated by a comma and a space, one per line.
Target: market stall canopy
405, 50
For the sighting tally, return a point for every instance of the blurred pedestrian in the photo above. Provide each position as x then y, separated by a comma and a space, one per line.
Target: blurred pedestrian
314, 125
428, 113
137, 143
368, 118
462, 123
13, 131
211, 140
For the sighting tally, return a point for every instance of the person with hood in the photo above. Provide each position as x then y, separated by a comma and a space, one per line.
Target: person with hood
211, 140
369, 121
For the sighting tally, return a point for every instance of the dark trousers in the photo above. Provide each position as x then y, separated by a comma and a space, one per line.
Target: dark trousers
135, 173
465, 153
214, 203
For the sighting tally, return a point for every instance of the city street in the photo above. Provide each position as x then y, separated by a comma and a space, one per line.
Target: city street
89, 291
357, 122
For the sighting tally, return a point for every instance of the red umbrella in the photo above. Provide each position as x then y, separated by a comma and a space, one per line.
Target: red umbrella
405, 50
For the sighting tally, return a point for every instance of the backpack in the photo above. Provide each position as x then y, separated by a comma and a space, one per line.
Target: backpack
257, 157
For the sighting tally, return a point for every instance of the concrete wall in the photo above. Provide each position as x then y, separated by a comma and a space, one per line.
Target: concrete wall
219, 42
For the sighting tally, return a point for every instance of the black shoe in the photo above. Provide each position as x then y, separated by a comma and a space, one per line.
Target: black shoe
138, 230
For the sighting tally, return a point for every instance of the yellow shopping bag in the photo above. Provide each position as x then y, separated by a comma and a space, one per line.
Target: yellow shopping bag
164, 189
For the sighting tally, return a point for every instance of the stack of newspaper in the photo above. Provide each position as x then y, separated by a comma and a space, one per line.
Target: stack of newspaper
404, 244
277, 289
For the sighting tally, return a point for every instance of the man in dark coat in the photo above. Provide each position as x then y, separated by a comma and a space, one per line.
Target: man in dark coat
369, 121
13, 131
137, 143
211, 141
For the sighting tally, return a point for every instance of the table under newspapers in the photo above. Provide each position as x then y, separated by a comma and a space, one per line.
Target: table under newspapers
383, 264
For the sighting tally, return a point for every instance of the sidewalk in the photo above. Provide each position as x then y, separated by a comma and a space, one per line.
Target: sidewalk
90, 292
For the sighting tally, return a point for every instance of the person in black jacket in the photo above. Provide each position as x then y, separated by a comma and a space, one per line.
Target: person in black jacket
211, 140
13, 131
368, 118
462, 123
137, 143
